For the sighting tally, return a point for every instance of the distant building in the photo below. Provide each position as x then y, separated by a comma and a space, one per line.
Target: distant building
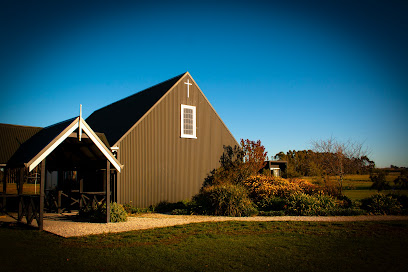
277, 168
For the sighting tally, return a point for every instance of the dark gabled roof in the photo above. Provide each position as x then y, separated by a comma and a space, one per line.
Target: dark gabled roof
36, 143
117, 118
12, 137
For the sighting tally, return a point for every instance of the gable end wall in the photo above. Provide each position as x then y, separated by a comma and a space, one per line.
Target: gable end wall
161, 166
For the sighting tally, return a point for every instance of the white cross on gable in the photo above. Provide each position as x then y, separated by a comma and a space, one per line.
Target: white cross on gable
188, 87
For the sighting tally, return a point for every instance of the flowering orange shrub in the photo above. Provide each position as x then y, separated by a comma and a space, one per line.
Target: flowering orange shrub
307, 187
261, 187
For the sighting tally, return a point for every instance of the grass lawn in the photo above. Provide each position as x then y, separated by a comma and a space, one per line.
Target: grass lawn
222, 246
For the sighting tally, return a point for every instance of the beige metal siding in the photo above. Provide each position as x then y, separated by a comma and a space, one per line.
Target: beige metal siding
161, 166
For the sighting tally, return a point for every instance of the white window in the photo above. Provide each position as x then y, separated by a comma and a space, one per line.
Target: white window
188, 122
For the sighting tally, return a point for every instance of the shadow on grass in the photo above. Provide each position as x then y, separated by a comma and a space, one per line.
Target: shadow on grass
16, 226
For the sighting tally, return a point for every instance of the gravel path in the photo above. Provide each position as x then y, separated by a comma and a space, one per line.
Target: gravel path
63, 225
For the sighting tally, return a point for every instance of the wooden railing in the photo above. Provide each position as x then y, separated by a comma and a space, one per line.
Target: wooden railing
29, 207
59, 201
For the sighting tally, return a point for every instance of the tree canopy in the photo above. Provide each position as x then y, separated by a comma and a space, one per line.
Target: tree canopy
329, 158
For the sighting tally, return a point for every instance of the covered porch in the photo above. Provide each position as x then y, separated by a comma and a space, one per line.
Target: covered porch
63, 167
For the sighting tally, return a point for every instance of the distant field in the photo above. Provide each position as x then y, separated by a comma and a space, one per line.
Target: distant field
357, 187
355, 178
360, 194
350, 181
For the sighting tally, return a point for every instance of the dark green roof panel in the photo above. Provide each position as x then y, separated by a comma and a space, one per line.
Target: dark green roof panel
117, 118
12, 137
35, 144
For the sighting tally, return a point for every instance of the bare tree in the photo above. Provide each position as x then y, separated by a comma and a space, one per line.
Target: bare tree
337, 158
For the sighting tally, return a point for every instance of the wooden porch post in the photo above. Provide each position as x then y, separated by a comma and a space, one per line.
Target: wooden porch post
4, 180
59, 201
107, 191
81, 191
42, 185
61, 184
21, 181
20, 185
4, 188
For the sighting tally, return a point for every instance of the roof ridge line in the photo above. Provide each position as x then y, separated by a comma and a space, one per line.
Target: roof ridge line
152, 107
69, 119
14, 125
181, 75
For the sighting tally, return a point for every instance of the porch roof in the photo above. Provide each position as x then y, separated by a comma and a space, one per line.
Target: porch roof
65, 138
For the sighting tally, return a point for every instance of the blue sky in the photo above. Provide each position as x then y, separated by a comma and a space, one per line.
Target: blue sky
285, 73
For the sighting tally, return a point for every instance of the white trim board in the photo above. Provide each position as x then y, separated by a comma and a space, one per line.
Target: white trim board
80, 124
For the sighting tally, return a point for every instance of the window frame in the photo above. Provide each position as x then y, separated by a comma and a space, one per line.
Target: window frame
182, 134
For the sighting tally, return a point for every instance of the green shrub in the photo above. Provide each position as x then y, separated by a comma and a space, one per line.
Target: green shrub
344, 201
401, 182
94, 214
303, 204
338, 211
163, 207
271, 213
98, 214
326, 201
232, 168
117, 213
175, 208
403, 200
271, 204
128, 207
224, 199
141, 210
379, 181
180, 212
381, 204
133, 210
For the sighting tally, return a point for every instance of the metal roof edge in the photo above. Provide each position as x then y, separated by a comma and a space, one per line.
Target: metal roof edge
98, 142
129, 96
222, 122
147, 112
52, 145
14, 125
